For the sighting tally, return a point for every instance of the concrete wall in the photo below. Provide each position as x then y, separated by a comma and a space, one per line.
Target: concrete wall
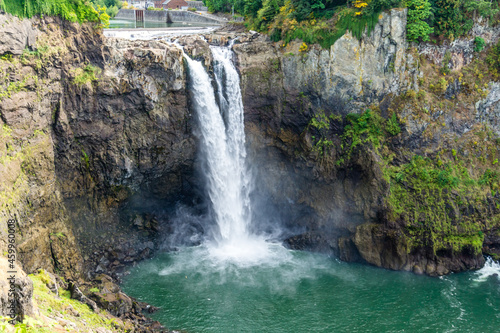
170, 16
149, 15
155, 15
184, 16
126, 14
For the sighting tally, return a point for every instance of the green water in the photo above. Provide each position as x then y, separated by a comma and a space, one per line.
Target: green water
115, 24
294, 291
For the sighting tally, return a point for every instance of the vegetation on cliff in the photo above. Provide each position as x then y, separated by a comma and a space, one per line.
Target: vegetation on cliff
71, 10
324, 21
430, 196
58, 312
444, 197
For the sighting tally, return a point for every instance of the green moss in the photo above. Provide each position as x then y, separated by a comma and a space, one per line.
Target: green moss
85, 75
14, 87
441, 202
365, 128
432, 197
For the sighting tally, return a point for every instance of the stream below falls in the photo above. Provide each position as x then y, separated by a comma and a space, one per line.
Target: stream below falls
297, 291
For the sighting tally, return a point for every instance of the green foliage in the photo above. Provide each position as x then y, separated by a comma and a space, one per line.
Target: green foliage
112, 11
71, 10
392, 125
48, 304
224, 6
361, 129
427, 194
304, 8
490, 178
267, 13
417, 28
446, 60
85, 159
85, 75
485, 8
320, 126
493, 60
357, 24
320, 122
451, 19
110, 7
479, 44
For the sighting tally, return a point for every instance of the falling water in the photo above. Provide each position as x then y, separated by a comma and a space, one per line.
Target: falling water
241, 283
223, 154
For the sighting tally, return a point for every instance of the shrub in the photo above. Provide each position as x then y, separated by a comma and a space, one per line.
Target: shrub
191, 9
451, 19
112, 11
392, 126
479, 44
493, 59
417, 28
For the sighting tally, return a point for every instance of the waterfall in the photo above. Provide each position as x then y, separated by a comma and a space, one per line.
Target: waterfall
223, 153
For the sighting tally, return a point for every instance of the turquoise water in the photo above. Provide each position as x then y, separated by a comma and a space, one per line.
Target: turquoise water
292, 291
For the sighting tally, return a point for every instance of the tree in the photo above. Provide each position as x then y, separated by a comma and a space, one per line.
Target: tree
417, 28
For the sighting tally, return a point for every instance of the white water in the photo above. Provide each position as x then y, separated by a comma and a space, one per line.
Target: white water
224, 159
490, 268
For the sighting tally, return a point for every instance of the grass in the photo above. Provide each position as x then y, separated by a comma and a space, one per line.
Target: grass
52, 306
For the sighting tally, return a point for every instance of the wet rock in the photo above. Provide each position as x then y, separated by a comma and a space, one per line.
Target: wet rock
117, 303
196, 47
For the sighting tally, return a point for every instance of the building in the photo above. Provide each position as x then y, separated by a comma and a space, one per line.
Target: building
139, 4
158, 3
197, 4
175, 4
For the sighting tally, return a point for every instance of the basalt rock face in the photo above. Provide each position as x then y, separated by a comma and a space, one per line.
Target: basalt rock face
350, 184
283, 89
96, 142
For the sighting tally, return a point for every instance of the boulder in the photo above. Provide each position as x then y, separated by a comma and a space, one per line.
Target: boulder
17, 35
16, 289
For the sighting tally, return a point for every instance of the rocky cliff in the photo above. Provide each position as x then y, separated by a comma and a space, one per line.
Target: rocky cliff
95, 135
381, 151
98, 145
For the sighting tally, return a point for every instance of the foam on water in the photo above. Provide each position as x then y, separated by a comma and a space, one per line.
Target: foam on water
491, 268
159, 33
206, 265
